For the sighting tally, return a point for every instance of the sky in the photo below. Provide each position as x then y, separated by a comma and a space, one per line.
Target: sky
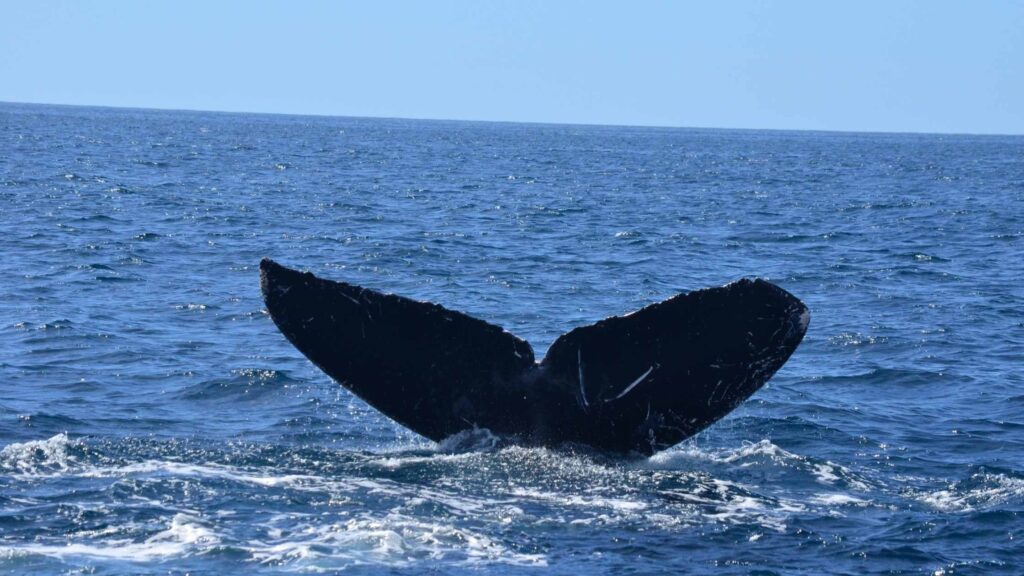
892, 66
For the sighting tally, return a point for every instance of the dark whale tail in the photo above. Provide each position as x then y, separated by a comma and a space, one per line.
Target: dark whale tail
640, 382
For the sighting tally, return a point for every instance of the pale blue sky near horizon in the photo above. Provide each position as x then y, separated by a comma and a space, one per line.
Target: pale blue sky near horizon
900, 66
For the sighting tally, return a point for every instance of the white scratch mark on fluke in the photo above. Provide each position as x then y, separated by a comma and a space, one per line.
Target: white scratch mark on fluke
579, 368
633, 384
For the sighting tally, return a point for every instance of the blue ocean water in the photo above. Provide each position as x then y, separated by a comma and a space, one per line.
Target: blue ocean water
153, 420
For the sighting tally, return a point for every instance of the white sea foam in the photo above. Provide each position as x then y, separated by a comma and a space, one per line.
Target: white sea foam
38, 457
746, 455
982, 491
761, 448
580, 500
838, 500
337, 489
473, 440
183, 469
299, 542
392, 539
737, 504
759, 453
183, 535
381, 520
401, 461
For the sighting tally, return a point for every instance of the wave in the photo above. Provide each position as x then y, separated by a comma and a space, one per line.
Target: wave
474, 440
54, 325
244, 383
394, 536
764, 454
469, 501
183, 535
896, 377
40, 457
981, 491
394, 540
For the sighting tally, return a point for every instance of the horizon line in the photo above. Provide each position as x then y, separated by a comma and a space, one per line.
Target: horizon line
528, 122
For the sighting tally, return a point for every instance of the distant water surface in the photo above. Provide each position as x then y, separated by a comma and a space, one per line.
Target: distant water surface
153, 420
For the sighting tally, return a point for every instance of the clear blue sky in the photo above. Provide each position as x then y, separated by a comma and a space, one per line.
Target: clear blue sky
922, 66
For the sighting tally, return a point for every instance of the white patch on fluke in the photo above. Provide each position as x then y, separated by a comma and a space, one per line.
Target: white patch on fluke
805, 320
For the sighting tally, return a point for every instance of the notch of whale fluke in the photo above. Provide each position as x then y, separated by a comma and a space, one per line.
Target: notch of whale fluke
641, 382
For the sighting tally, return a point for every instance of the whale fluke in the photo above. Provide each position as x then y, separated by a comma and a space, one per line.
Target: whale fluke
641, 382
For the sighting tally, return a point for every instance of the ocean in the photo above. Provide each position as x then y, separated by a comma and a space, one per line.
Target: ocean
154, 421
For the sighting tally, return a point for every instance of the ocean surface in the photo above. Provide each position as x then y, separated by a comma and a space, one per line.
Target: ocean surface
153, 420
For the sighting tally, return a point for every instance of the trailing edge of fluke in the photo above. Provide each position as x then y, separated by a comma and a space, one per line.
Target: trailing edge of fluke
635, 383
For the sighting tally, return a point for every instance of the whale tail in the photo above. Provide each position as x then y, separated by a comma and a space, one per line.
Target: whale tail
640, 382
